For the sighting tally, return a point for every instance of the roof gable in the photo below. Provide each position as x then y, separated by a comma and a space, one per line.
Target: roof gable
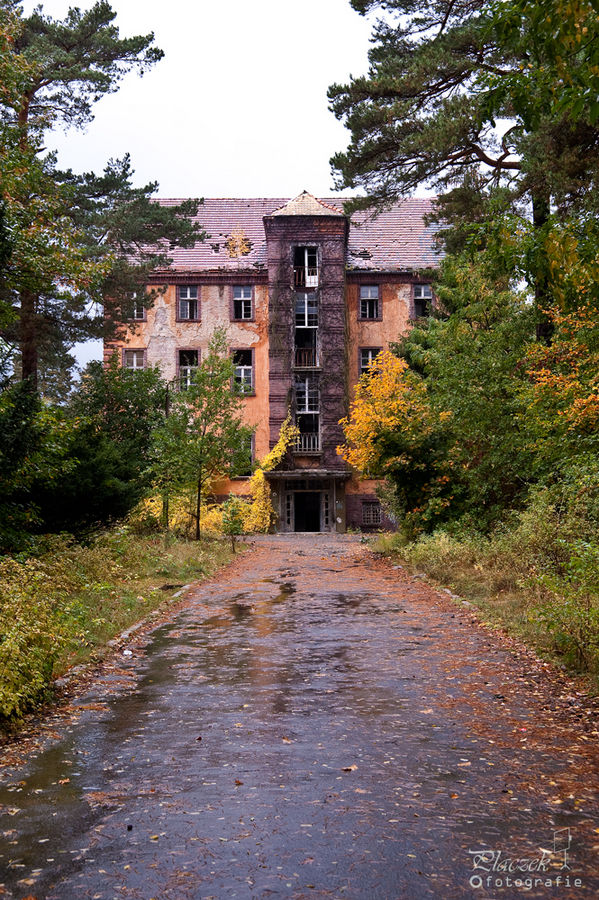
306, 205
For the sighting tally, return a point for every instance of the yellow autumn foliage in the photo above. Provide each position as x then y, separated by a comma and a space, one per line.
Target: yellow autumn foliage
260, 515
388, 399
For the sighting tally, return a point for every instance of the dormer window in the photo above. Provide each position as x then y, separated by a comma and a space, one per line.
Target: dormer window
305, 267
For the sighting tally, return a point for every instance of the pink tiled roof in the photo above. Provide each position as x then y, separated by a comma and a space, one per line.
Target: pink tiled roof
396, 240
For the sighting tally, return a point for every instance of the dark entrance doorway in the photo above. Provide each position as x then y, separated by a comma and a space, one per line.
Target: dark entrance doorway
307, 511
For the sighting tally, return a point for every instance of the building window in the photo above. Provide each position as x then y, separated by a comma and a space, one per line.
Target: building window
187, 364
423, 298
242, 302
305, 267
307, 418
306, 310
369, 301
371, 512
137, 310
306, 330
367, 356
188, 307
244, 371
134, 359
306, 394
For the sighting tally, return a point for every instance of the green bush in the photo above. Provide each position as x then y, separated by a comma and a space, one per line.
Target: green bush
570, 606
32, 631
60, 605
538, 573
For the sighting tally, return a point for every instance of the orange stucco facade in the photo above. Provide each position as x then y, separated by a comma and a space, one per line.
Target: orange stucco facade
309, 322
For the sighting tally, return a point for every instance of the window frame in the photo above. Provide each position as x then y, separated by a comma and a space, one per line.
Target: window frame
371, 505
136, 303
310, 279
141, 350
178, 352
311, 390
308, 298
232, 352
178, 316
361, 350
379, 308
251, 298
428, 300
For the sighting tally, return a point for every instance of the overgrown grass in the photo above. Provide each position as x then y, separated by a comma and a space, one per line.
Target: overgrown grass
63, 604
538, 577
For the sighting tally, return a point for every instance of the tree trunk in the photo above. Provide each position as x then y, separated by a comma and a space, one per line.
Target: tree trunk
28, 339
199, 508
540, 217
166, 511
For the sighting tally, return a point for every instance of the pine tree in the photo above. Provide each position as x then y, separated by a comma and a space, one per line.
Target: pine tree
73, 236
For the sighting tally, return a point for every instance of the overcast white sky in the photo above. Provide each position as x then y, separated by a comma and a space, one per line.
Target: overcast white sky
238, 106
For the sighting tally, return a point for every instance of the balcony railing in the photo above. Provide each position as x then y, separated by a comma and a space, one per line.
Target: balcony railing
306, 357
307, 443
305, 276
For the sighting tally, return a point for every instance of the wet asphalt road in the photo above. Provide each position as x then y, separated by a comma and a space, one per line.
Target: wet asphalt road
312, 724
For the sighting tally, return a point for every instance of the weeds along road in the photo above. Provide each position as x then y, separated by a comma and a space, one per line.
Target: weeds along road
311, 723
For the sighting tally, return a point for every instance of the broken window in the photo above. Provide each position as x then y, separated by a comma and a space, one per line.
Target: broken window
369, 301
134, 359
305, 267
423, 297
371, 512
242, 302
307, 419
188, 363
308, 440
189, 308
367, 356
306, 330
244, 371
306, 394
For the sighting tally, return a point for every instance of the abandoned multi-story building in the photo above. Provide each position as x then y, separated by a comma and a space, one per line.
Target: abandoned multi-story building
307, 298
